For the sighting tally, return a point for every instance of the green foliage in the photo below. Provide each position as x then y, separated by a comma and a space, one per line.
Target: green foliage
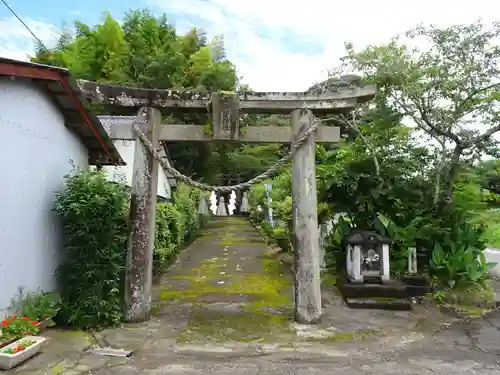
168, 236
146, 51
37, 305
177, 222
185, 200
410, 80
94, 213
334, 244
490, 220
460, 264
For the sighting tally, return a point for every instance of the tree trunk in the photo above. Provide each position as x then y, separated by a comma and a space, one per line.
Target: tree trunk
439, 173
449, 180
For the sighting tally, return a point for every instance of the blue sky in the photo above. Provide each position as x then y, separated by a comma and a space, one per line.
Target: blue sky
277, 45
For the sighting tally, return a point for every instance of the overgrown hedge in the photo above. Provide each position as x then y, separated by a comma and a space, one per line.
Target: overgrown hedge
177, 222
95, 218
95, 212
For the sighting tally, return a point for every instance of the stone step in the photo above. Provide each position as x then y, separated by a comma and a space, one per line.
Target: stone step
416, 280
417, 290
379, 303
392, 290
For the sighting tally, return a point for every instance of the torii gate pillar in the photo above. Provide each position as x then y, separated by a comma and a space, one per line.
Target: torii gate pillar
305, 224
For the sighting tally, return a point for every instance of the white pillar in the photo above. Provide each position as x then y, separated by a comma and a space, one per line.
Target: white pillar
202, 206
232, 202
221, 209
386, 272
244, 203
213, 202
349, 262
356, 264
412, 260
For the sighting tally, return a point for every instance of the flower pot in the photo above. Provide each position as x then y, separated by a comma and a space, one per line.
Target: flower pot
44, 324
8, 361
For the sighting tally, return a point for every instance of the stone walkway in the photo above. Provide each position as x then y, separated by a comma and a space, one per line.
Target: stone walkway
226, 305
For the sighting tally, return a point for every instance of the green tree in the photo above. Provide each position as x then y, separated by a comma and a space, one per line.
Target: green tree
146, 51
443, 89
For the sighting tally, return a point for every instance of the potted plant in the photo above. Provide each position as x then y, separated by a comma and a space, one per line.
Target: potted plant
41, 306
14, 327
19, 351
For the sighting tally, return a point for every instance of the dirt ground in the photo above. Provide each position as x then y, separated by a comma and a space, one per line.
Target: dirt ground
226, 307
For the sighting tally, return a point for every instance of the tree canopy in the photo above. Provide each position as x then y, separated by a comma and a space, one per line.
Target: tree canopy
146, 51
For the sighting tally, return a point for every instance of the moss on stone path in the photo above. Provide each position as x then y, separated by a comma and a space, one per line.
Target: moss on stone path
236, 289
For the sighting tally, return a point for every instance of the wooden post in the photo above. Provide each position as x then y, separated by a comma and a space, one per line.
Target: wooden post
305, 225
142, 221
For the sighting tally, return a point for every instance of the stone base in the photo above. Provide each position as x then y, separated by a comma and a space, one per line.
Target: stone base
416, 285
397, 304
394, 290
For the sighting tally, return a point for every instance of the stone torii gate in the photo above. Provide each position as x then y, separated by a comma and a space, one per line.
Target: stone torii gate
225, 110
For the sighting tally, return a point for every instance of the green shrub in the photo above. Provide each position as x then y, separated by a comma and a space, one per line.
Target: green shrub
168, 235
37, 305
185, 200
176, 223
282, 210
460, 264
94, 212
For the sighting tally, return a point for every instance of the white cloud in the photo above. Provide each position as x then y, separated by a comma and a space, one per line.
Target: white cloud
259, 34
16, 42
254, 31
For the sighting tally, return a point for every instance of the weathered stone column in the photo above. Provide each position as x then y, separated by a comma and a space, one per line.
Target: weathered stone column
412, 260
139, 271
305, 225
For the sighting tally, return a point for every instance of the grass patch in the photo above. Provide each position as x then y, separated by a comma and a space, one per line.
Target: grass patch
347, 336
473, 300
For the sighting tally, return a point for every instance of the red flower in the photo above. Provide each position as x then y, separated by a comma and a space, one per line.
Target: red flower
5, 323
26, 318
13, 318
34, 322
26, 332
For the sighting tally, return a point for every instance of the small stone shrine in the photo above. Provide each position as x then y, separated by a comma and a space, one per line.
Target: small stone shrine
368, 282
367, 257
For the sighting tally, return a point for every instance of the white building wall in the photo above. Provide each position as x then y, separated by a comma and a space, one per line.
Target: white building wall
35, 153
124, 173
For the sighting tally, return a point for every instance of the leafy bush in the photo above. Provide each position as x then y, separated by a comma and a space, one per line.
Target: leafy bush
176, 223
94, 212
185, 200
459, 264
282, 210
168, 235
37, 305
